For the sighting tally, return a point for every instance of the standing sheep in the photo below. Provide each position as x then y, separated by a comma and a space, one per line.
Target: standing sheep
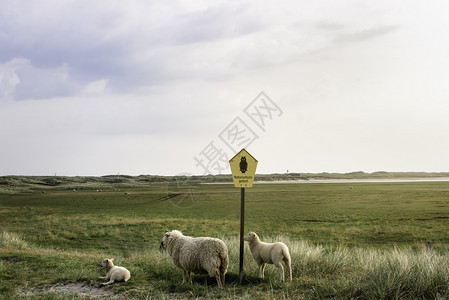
199, 255
114, 273
269, 253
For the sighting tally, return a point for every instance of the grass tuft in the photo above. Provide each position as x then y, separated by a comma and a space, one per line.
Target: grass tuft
13, 241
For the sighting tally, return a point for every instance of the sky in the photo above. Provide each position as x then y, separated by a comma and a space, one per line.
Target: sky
91, 88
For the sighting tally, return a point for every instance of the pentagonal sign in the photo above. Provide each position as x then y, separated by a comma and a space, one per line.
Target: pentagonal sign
243, 168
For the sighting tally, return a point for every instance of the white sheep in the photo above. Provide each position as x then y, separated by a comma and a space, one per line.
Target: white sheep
269, 253
114, 273
198, 255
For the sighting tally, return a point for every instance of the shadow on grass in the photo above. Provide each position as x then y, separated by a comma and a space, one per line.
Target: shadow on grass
200, 281
234, 279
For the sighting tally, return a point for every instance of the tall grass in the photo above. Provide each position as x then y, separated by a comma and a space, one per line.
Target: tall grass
403, 272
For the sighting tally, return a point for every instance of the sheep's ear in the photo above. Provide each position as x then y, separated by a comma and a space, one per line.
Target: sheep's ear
111, 259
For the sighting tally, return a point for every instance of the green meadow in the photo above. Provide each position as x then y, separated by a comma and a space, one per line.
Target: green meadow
347, 240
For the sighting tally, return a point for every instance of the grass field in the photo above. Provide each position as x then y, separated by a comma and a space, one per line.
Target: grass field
348, 240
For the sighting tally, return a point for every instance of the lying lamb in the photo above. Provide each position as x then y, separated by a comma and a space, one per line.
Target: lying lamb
199, 255
269, 253
114, 273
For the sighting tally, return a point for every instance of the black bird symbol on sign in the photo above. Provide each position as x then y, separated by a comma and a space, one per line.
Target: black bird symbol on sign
243, 164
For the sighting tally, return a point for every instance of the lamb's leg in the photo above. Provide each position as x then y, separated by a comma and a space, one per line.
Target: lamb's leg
262, 270
106, 283
289, 269
281, 269
102, 277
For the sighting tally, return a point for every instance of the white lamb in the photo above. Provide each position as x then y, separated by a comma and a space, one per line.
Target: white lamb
269, 253
114, 273
199, 255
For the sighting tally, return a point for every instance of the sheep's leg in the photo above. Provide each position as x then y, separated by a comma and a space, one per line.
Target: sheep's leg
262, 270
184, 276
222, 275
217, 276
281, 269
190, 276
102, 277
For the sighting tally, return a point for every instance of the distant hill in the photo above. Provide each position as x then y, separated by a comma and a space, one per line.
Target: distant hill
14, 184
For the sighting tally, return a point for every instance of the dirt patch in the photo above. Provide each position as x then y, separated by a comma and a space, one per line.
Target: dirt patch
81, 289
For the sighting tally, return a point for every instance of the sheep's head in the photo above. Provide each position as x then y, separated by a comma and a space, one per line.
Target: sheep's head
168, 236
107, 263
163, 245
252, 236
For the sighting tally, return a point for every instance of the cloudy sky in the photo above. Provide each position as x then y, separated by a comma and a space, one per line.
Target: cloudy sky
169, 87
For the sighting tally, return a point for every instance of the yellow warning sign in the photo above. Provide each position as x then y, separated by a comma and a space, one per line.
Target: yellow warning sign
243, 168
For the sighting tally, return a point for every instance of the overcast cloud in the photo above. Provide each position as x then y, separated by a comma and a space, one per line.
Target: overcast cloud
155, 87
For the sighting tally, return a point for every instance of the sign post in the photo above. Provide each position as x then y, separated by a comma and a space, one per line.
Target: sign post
243, 168
242, 232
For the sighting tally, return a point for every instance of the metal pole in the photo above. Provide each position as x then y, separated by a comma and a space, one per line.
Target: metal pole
242, 231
